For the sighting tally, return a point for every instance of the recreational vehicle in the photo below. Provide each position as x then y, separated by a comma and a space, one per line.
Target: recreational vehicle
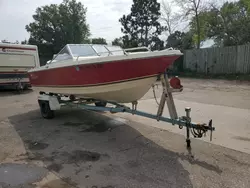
15, 61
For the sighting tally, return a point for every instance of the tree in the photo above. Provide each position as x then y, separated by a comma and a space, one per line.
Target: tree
99, 41
229, 24
170, 19
157, 44
57, 25
193, 8
117, 42
204, 18
24, 42
175, 40
180, 40
141, 27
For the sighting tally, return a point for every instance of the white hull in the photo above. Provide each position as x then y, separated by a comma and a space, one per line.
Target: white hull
122, 92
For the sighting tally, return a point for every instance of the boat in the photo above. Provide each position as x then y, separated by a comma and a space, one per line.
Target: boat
103, 72
15, 61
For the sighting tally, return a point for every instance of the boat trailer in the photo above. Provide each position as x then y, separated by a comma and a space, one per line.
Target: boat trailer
50, 102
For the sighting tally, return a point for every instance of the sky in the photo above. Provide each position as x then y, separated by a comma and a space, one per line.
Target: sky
102, 17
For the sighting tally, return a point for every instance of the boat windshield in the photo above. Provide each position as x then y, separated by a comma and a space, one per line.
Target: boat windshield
115, 50
63, 55
82, 50
101, 50
95, 50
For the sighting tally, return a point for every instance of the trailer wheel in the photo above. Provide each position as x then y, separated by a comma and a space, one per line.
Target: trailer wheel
100, 104
46, 112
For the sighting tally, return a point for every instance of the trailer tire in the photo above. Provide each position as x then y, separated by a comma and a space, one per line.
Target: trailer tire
46, 112
100, 104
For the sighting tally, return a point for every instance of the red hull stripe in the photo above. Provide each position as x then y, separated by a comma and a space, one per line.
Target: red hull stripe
109, 83
102, 73
17, 48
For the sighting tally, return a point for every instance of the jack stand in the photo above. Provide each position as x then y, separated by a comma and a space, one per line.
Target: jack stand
167, 97
188, 120
134, 105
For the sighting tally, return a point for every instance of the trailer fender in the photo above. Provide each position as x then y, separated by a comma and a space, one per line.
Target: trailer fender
53, 101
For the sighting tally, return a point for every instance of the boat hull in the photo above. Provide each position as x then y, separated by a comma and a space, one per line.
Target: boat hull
95, 74
122, 92
120, 81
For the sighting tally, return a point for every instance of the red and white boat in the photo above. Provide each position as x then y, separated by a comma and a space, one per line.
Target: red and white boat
102, 72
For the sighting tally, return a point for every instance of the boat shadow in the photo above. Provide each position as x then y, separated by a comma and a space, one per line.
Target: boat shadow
92, 149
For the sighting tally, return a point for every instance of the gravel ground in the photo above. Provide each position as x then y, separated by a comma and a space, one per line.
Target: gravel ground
99, 150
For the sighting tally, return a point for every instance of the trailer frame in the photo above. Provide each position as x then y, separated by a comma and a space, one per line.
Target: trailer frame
50, 102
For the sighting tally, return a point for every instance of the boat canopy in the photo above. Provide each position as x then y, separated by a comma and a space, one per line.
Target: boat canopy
71, 51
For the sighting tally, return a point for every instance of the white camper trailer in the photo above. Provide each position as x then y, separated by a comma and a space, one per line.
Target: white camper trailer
15, 61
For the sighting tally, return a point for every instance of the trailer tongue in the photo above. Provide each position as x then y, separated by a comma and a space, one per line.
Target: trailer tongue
49, 102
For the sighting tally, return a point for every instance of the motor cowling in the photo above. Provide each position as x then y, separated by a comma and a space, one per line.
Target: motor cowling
175, 83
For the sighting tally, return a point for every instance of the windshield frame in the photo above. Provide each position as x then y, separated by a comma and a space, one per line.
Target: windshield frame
80, 45
100, 53
56, 55
114, 51
68, 47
